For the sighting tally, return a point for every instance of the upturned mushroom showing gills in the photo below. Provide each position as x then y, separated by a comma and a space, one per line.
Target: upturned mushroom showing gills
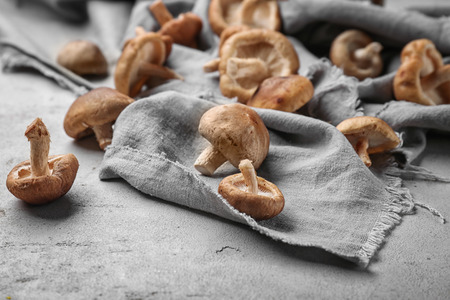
369, 135
251, 194
357, 55
83, 58
422, 76
142, 58
285, 93
95, 113
250, 56
42, 178
235, 132
183, 30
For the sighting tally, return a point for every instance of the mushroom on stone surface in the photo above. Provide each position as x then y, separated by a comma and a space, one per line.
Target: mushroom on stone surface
83, 58
422, 76
142, 58
95, 113
250, 194
42, 178
356, 54
183, 30
285, 93
235, 132
250, 56
369, 135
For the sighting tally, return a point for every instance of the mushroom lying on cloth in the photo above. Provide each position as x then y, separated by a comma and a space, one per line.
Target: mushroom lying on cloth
369, 135
95, 113
254, 13
251, 194
83, 58
250, 56
43, 178
422, 76
356, 54
235, 132
142, 58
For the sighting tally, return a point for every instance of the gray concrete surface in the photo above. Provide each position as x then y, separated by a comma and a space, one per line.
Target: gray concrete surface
105, 240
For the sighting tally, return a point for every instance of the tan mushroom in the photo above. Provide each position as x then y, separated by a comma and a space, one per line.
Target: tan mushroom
249, 57
356, 54
422, 76
95, 113
142, 58
251, 194
369, 135
184, 29
83, 58
235, 132
42, 178
254, 13
285, 93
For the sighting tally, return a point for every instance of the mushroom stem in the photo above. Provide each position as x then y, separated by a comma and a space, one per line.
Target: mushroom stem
361, 147
367, 53
209, 160
249, 174
149, 69
435, 79
39, 139
254, 68
160, 12
211, 66
104, 134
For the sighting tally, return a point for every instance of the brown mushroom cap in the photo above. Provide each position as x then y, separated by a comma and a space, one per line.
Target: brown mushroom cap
250, 56
378, 135
98, 107
356, 54
83, 58
184, 29
288, 93
422, 77
43, 189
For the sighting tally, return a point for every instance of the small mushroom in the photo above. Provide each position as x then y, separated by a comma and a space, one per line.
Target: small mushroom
285, 93
235, 132
422, 76
249, 57
142, 58
356, 54
251, 194
42, 178
183, 30
95, 113
369, 135
83, 58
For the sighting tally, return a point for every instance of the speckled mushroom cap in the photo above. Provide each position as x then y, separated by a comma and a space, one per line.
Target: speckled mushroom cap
421, 64
343, 54
285, 93
380, 135
250, 56
145, 48
266, 204
43, 189
97, 107
237, 131
83, 58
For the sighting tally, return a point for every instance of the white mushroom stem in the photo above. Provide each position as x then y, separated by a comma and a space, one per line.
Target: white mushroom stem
249, 174
104, 134
160, 12
211, 66
367, 53
39, 139
149, 69
209, 160
435, 79
361, 147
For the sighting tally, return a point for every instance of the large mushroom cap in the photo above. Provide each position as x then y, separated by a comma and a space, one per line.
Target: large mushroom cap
83, 58
46, 188
250, 56
356, 54
184, 29
285, 93
422, 77
237, 132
